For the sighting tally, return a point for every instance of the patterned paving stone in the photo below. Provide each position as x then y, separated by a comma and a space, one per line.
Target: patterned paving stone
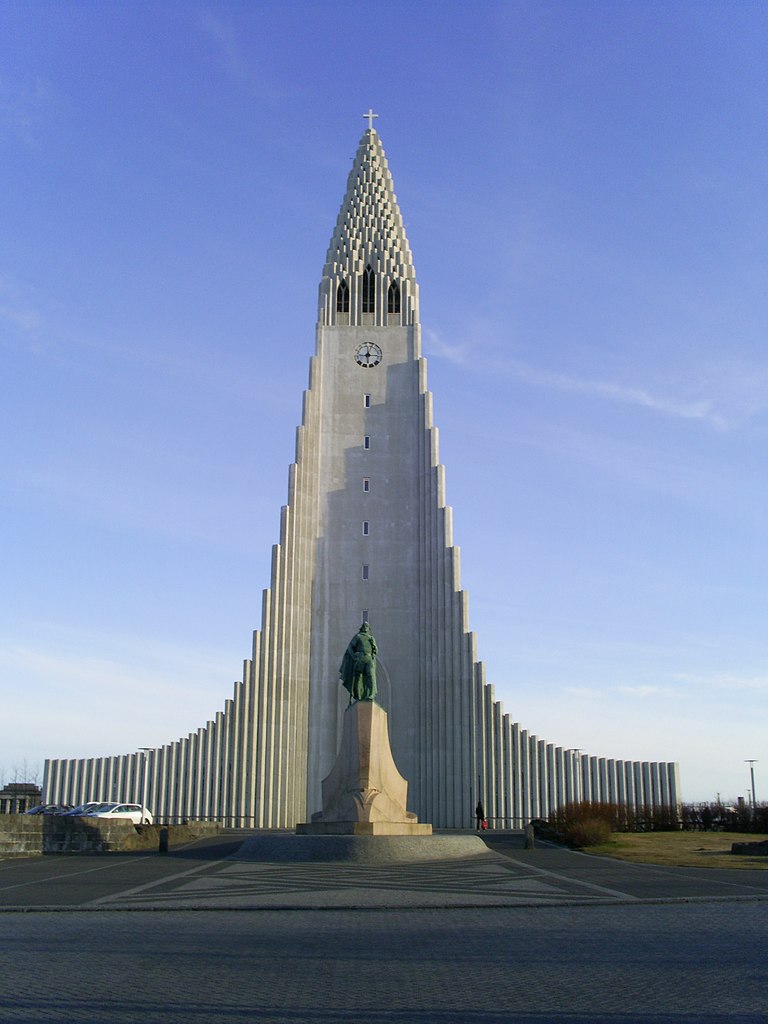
607, 964
330, 885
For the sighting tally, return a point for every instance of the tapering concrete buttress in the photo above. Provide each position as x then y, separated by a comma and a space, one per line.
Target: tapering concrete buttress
365, 533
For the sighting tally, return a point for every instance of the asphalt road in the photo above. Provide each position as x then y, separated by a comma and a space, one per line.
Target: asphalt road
541, 936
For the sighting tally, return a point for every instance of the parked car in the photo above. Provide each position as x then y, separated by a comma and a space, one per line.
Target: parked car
82, 809
49, 809
135, 812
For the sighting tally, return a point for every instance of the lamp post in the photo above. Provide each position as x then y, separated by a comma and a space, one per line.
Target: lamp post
751, 763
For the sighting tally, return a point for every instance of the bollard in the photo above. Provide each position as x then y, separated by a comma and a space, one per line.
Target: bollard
163, 847
530, 839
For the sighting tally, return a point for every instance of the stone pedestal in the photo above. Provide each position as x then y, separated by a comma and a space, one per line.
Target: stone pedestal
365, 794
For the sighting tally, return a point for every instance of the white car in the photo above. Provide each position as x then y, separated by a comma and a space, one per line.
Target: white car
134, 812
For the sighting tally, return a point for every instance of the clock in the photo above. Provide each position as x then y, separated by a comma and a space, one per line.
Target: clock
368, 355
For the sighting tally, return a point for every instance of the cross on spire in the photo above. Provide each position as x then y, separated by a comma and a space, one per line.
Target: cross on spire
370, 115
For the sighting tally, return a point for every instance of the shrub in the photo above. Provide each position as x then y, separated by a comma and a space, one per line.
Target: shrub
589, 832
575, 820
585, 823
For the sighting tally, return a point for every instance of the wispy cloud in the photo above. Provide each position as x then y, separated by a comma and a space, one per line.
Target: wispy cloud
169, 697
583, 692
679, 685
243, 66
28, 321
66, 669
25, 108
691, 686
722, 394
437, 346
700, 409
639, 691
162, 673
649, 690
724, 681
224, 37
17, 312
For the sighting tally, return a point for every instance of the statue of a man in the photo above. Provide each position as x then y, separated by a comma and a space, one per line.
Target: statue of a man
358, 666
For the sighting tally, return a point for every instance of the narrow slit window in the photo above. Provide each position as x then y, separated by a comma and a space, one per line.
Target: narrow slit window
393, 298
366, 484
367, 442
342, 297
366, 527
369, 290
365, 572
367, 401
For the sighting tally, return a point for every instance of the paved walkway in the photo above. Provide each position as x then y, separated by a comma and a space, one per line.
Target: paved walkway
205, 875
544, 936
640, 964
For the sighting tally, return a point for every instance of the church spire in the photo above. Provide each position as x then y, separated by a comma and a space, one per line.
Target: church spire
368, 276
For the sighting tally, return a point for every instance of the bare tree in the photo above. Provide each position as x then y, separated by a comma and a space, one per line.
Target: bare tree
26, 773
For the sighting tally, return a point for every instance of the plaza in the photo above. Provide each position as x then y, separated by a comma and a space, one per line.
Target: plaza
512, 935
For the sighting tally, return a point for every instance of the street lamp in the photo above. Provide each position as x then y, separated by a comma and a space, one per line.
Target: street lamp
751, 763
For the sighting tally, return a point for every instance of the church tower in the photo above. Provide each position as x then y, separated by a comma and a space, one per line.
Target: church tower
383, 534
365, 535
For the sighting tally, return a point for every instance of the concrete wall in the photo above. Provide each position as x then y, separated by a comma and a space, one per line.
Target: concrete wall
24, 835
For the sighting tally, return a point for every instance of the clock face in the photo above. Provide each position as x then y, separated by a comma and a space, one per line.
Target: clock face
368, 355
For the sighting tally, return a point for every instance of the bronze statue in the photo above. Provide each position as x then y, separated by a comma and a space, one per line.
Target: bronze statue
358, 666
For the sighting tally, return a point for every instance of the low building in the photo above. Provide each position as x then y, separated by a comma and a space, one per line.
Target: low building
18, 797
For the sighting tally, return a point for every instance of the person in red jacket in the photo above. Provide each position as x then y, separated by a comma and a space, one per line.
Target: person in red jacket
480, 815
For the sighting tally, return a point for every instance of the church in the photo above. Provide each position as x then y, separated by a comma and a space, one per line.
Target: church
365, 535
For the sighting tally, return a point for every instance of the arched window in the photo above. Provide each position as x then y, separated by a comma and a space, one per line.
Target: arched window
393, 298
369, 290
342, 298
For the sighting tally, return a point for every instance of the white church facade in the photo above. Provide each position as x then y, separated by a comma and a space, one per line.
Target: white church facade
365, 535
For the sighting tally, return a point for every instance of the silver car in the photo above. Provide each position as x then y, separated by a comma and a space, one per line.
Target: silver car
84, 809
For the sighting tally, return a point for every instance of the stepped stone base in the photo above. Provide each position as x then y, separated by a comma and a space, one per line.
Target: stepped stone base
345, 849
363, 828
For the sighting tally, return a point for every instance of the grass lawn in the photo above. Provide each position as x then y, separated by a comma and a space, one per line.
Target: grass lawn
681, 849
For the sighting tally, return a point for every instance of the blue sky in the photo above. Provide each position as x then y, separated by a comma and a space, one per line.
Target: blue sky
584, 188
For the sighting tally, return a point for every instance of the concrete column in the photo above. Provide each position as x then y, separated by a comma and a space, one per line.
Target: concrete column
544, 808
610, 771
656, 785
647, 785
534, 781
602, 780
560, 787
595, 779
